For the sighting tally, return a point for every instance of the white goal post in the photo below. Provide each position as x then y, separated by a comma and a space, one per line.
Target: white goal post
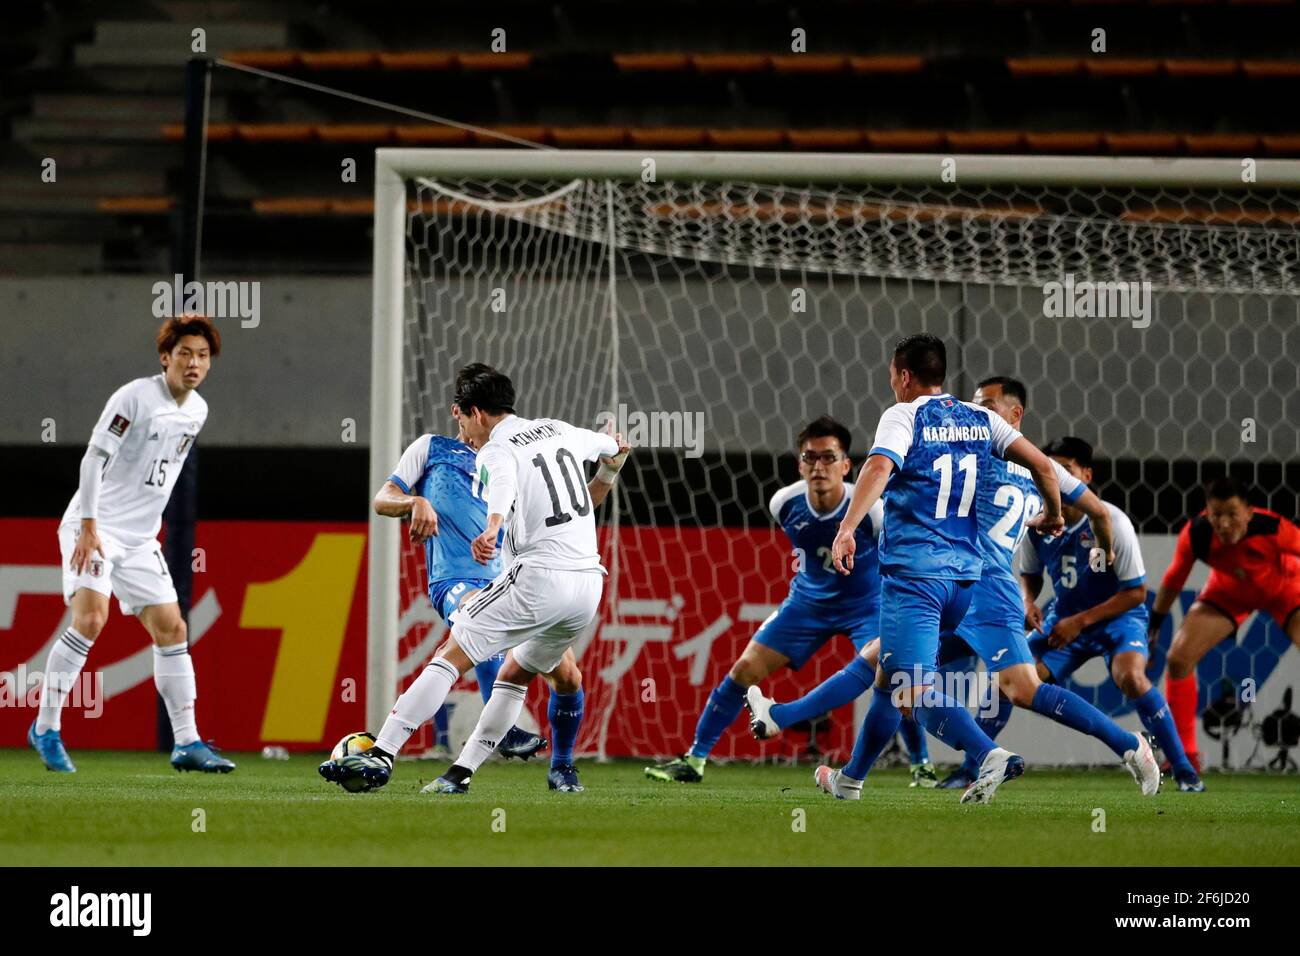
1017, 223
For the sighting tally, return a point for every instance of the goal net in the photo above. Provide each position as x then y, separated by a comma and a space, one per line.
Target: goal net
710, 305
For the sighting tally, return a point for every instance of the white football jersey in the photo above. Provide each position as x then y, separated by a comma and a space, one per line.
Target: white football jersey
532, 472
148, 437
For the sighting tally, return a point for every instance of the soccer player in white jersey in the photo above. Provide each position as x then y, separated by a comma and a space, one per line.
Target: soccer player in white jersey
109, 540
531, 475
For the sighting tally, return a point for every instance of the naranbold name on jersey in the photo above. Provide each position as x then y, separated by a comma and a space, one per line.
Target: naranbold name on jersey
950, 433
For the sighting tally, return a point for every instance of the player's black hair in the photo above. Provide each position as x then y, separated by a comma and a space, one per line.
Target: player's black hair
925, 356
1070, 447
824, 427
490, 391
1225, 487
467, 372
1010, 386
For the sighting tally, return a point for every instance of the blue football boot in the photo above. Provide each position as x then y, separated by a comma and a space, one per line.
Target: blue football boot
564, 778
49, 746
200, 756
520, 743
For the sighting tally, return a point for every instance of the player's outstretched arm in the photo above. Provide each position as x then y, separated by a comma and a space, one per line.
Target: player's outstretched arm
1023, 452
1099, 518
1175, 577
392, 502
1068, 628
500, 488
866, 492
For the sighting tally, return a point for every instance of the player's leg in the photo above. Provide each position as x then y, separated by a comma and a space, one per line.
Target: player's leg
1204, 625
63, 667
958, 663
173, 676
785, 638
1128, 670
499, 715
843, 687
564, 712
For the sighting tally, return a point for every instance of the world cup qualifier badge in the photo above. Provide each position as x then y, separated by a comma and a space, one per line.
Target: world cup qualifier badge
96, 568
119, 425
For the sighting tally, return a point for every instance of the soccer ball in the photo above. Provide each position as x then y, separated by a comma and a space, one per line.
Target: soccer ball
352, 744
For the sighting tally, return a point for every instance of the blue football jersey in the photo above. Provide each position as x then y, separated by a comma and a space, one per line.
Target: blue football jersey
1067, 561
1006, 498
812, 534
940, 448
441, 470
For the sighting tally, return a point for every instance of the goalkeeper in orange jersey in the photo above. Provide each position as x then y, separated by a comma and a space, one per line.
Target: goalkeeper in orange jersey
1254, 559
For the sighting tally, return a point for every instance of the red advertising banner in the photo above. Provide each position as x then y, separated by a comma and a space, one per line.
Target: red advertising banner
278, 638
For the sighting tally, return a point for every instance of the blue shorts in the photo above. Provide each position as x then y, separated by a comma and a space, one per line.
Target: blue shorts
913, 613
994, 625
1116, 636
447, 595
799, 628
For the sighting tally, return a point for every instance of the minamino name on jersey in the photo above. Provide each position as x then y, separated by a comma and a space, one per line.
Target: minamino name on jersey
948, 433
533, 434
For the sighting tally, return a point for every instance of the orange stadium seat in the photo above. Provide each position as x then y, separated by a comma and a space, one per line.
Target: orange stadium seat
1105, 65
431, 134
1034, 66
1191, 68
353, 132
886, 64
494, 61
418, 60
652, 62
1271, 69
1142, 143
264, 59
900, 140
824, 139
809, 63
588, 137
746, 138
668, 137
729, 62
136, 205
1286, 144
339, 59
1220, 144
292, 206
533, 134
986, 141
361, 206
275, 132
1063, 142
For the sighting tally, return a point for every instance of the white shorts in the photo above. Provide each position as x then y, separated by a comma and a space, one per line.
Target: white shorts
539, 612
137, 576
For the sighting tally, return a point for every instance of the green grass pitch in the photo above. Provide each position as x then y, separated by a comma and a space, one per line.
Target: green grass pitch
133, 809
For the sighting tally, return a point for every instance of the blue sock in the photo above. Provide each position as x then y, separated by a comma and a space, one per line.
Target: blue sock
991, 723
565, 714
486, 673
1157, 719
1068, 708
953, 724
914, 741
440, 721
720, 712
876, 733
844, 686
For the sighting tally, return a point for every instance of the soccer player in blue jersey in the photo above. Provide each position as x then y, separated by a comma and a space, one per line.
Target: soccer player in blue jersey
993, 627
820, 604
1099, 610
433, 487
930, 449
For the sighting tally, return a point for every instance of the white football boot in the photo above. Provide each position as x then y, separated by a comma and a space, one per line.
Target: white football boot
837, 784
760, 714
1144, 767
998, 767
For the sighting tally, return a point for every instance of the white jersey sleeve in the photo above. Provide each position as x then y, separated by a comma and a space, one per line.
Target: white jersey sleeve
876, 515
121, 413
783, 495
1072, 488
1030, 563
590, 445
1128, 565
1003, 435
410, 467
894, 433
498, 482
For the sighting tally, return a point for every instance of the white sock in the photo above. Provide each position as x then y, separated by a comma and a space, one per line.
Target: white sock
173, 675
499, 715
418, 704
62, 668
